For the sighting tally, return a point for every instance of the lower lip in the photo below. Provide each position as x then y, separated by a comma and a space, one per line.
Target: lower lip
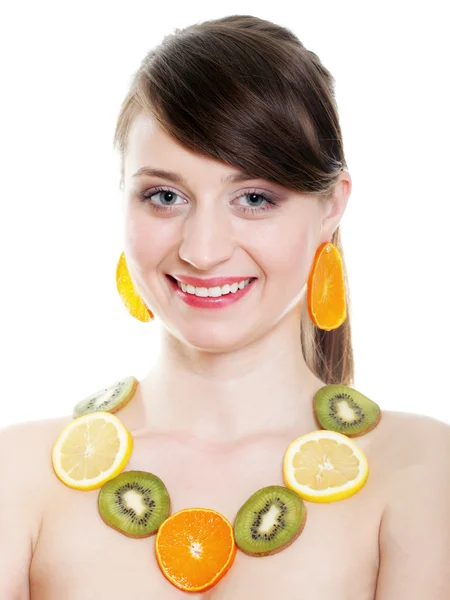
209, 301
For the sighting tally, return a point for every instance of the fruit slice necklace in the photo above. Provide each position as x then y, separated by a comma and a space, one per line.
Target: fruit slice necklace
196, 547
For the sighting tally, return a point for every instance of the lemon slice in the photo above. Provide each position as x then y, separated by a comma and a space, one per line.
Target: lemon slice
132, 300
325, 466
91, 450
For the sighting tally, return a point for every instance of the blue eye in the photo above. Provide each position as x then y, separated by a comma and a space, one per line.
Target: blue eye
147, 197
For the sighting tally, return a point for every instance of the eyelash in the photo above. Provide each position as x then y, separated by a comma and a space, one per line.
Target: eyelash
145, 197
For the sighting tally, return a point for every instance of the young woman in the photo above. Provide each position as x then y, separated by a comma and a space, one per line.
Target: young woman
233, 167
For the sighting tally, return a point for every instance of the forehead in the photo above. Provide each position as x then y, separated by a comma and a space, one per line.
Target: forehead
149, 144
147, 136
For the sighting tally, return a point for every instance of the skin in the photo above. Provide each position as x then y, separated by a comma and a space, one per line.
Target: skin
242, 355
216, 413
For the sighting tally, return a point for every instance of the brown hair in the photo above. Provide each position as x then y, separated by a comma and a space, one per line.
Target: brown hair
246, 92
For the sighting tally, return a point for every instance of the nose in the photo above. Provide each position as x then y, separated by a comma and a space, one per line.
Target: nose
207, 238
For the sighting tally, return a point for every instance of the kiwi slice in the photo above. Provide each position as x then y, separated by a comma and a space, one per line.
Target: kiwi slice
345, 410
134, 503
270, 520
109, 399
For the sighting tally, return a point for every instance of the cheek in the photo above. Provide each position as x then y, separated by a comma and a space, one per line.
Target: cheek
146, 241
287, 256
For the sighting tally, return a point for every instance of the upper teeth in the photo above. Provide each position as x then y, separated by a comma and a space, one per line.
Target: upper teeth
214, 291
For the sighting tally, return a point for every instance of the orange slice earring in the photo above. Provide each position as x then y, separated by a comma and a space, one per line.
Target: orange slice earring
133, 302
326, 288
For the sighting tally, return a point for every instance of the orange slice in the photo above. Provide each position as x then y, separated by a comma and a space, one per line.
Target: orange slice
133, 302
91, 450
325, 466
326, 288
195, 548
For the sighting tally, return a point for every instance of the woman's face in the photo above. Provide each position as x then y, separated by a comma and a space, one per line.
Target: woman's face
207, 227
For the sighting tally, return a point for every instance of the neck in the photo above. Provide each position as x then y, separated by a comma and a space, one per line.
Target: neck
264, 388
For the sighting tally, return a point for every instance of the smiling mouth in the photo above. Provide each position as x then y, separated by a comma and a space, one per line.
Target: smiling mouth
209, 283
179, 284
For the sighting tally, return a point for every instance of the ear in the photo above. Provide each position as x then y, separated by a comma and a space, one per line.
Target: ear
335, 205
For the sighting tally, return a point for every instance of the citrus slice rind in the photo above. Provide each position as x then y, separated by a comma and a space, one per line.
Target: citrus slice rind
195, 548
325, 466
326, 288
91, 450
131, 299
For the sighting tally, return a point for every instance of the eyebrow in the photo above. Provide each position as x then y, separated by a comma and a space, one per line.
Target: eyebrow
177, 178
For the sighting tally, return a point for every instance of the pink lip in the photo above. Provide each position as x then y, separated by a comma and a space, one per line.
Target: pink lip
197, 282
210, 301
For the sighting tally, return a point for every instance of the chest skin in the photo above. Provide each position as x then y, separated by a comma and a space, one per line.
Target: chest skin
336, 557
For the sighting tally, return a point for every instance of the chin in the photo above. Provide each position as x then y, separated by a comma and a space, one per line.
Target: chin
213, 338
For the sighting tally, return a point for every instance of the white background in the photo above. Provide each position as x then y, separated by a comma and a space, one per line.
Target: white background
65, 69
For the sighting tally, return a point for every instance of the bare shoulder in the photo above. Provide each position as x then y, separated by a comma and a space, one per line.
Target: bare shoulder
412, 421
25, 451
27, 441
406, 443
27, 446
413, 458
418, 433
